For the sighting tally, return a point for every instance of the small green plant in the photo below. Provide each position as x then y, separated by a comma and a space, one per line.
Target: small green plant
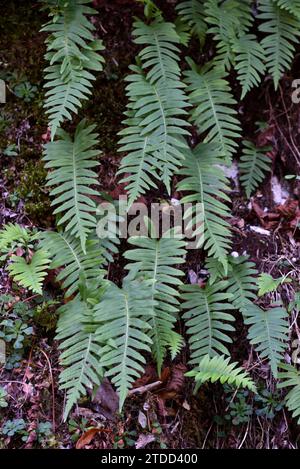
239, 410
44, 432
25, 91
77, 428
268, 284
269, 404
11, 150
15, 332
15, 427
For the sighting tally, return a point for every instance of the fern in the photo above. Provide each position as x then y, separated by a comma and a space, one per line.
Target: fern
81, 351
293, 6
228, 20
11, 234
122, 324
30, 274
291, 377
282, 30
215, 270
207, 184
249, 65
155, 128
66, 253
267, 284
253, 166
219, 369
72, 175
207, 320
74, 56
268, 333
156, 260
242, 282
191, 12
210, 93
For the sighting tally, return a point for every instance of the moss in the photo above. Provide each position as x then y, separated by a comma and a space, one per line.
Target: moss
34, 193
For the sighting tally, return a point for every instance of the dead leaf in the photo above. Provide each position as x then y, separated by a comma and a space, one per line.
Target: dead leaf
142, 419
107, 398
144, 440
88, 436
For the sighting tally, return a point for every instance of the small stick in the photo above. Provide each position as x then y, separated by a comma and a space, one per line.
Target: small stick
143, 389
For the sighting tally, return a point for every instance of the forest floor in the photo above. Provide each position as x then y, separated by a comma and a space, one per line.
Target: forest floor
168, 414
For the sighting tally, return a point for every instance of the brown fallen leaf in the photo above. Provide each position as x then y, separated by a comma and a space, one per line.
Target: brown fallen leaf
88, 436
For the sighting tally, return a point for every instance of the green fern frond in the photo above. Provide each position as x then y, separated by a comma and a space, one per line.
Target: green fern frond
207, 184
250, 64
268, 333
30, 274
242, 282
282, 30
293, 6
219, 369
254, 165
156, 260
191, 12
215, 270
155, 127
175, 344
291, 377
81, 351
74, 56
227, 20
71, 162
207, 319
66, 253
154, 133
210, 94
13, 233
122, 324
160, 56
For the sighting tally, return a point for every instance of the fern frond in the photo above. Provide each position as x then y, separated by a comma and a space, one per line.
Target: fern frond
282, 30
71, 162
191, 12
207, 184
74, 56
160, 56
293, 6
207, 319
66, 253
215, 269
81, 351
227, 20
155, 127
156, 260
13, 233
219, 369
210, 94
242, 282
154, 133
254, 165
250, 64
30, 274
291, 378
268, 333
122, 324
